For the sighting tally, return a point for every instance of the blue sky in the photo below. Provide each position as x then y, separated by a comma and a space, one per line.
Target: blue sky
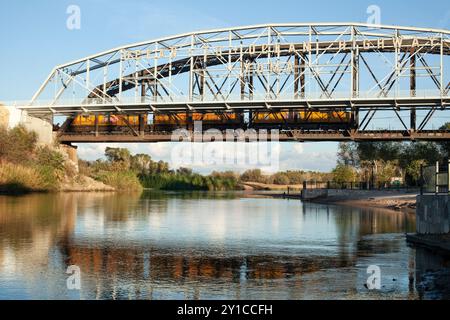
34, 39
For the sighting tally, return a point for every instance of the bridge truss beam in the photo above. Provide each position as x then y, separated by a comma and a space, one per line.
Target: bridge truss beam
363, 69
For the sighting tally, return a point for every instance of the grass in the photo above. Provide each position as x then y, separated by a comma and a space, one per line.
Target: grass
195, 182
25, 166
17, 179
121, 181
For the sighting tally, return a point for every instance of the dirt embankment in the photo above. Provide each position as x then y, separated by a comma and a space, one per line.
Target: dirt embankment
84, 184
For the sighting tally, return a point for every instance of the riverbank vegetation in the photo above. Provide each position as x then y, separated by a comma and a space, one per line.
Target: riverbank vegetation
131, 172
284, 178
383, 164
185, 179
27, 167
125, 171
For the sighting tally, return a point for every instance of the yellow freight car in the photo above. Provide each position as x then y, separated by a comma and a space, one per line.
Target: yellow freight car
108, 120
271, 117
325, 117
111, 123
302, 119
163, 122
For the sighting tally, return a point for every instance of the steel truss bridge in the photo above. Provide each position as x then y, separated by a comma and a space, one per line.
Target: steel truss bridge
401, 73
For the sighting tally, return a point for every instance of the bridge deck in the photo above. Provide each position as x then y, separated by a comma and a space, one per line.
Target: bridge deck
294, 136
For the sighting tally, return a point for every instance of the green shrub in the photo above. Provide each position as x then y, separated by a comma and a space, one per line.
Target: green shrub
121, 181
17, 145
183, 181
281, 179
253, 176
50, 158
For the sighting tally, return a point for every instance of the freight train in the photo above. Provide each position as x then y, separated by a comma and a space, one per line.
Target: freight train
220, 121
167, 122
303, 120
105, 123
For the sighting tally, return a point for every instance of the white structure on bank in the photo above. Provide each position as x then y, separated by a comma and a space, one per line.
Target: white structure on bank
11, 117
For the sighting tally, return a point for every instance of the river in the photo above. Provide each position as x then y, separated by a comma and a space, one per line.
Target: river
207, 246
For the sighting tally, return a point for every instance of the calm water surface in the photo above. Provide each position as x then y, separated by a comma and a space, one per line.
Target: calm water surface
208, 246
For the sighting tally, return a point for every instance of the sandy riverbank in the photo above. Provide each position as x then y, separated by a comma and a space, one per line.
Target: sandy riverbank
403, 203
389, 200
85, 184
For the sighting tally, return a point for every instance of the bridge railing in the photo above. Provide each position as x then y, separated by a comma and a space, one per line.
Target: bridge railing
224, 98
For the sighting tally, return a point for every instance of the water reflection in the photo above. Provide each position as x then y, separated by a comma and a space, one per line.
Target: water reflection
199, 246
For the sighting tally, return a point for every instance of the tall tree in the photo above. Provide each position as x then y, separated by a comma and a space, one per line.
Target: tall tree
348, 154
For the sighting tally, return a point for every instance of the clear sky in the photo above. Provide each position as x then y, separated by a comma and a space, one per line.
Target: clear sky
34, 38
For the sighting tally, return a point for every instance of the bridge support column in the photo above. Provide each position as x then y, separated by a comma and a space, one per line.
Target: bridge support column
299, 80
141, 125
296, 81
143, 91
412, 81
202, 79
96, 125
355, 88
141, 116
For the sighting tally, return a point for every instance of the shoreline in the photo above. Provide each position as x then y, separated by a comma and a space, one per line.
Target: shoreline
392, 201
437, 242
400, 205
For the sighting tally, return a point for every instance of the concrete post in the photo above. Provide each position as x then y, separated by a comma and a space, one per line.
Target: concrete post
436, 182
448, 176
422, 180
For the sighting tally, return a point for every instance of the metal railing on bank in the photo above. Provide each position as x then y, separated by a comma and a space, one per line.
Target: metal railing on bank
362, 185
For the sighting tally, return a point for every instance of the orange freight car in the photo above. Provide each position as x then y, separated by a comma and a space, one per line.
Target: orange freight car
164, 122
110, 122
302, 119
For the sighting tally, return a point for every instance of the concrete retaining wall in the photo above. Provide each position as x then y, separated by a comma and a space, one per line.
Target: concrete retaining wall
11, 117
346, 194
311, 194
43, 129
433, 214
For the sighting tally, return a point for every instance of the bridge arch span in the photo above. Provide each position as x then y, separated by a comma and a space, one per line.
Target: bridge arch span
345, 67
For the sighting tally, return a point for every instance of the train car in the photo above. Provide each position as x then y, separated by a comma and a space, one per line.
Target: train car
306, 120
272, 118
173, 121
106, 123
330, 120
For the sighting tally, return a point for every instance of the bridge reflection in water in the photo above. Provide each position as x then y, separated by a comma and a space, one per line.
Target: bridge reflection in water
155, 246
